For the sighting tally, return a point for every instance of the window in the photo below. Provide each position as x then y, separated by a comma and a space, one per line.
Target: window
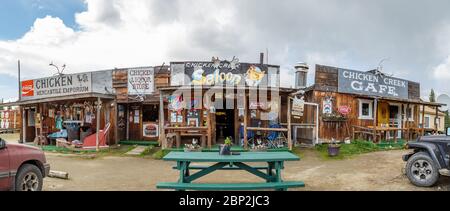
150, 113
365, 109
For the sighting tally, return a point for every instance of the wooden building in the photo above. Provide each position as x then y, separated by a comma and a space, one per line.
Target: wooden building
10, 120
370, 105
81, 103
137, 92
212, 101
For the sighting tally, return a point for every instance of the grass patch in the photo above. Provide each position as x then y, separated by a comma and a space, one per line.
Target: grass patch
112, 151
150, 151
139, 143
298, 151
356, 148
158, 155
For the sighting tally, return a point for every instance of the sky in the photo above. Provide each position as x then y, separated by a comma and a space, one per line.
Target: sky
413, 36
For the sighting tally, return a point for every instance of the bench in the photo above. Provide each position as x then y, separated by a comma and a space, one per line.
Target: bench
233, 186
224, 168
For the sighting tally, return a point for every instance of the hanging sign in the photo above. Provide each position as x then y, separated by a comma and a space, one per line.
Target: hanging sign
298, 107
327, 106
141, 81
344, 110
150, 130
61, 85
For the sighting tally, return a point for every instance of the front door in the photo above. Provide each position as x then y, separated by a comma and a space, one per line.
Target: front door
122, 122
4, 169
395, 118
224, 124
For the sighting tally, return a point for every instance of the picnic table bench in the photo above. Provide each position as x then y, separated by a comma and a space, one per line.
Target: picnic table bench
271, 174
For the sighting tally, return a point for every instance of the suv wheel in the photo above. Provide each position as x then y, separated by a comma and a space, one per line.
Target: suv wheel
29, 178
421, 170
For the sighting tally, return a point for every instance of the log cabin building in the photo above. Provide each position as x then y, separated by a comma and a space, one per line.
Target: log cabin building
369, 105
225, 99
137, 96
81, 103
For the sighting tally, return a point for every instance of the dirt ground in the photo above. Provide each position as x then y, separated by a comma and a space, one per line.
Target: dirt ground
378, 171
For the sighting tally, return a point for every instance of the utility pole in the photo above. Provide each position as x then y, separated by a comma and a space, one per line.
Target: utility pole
18, 78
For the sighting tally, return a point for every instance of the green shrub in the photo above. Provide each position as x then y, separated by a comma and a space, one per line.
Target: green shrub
355, 148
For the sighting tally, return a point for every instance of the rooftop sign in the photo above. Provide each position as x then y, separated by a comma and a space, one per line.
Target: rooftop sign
368, 83
60, 85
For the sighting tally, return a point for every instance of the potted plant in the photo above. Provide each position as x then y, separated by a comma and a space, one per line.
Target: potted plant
225, 149
333, 149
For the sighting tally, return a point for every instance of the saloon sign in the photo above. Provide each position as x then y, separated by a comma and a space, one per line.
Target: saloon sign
367, 83
230, 73
61, 85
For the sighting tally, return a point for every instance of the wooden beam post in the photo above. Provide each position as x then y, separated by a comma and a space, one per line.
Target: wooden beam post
289, 123
435, 120
162, 132
209, 123
407, 121
97, 140
423, 120
116, 130
245, 122
375, 119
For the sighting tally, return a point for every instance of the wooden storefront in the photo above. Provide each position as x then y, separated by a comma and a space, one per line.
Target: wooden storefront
354, 101
138, 108
213, 122
214, 100
80, 104
10, 120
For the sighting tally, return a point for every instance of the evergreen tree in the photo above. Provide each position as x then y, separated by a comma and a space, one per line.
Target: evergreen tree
432, 96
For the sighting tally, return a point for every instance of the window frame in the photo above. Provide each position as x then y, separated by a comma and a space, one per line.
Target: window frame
371, 109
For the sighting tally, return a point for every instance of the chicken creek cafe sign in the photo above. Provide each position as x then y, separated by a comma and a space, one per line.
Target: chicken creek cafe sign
61, 85
367, 83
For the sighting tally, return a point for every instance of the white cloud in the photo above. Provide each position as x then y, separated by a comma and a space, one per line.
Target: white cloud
442, 71
352, 34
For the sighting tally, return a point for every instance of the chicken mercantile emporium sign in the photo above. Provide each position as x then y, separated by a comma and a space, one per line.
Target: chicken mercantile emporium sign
367, 83
60, 85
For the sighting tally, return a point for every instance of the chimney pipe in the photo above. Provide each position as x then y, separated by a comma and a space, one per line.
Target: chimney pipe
301, 75
261, 58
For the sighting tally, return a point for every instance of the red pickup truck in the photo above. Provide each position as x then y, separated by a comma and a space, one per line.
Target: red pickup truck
22, 167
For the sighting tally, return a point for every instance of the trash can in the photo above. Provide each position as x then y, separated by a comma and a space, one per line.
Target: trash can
73, 132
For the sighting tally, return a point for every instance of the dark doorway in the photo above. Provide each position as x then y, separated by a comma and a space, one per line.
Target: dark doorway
395, 119
224, 124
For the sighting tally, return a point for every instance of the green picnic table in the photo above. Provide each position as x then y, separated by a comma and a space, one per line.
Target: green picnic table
271, 173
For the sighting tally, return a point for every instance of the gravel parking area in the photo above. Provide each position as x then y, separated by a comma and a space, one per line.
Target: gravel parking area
377, 171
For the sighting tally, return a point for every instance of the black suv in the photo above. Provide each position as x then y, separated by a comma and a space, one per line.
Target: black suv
430, 159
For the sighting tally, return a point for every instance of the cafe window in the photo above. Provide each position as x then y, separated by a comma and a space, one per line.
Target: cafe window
150, 113
365, 109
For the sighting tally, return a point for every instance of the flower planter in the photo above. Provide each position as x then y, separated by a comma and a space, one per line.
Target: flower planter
224, 149
333, 150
